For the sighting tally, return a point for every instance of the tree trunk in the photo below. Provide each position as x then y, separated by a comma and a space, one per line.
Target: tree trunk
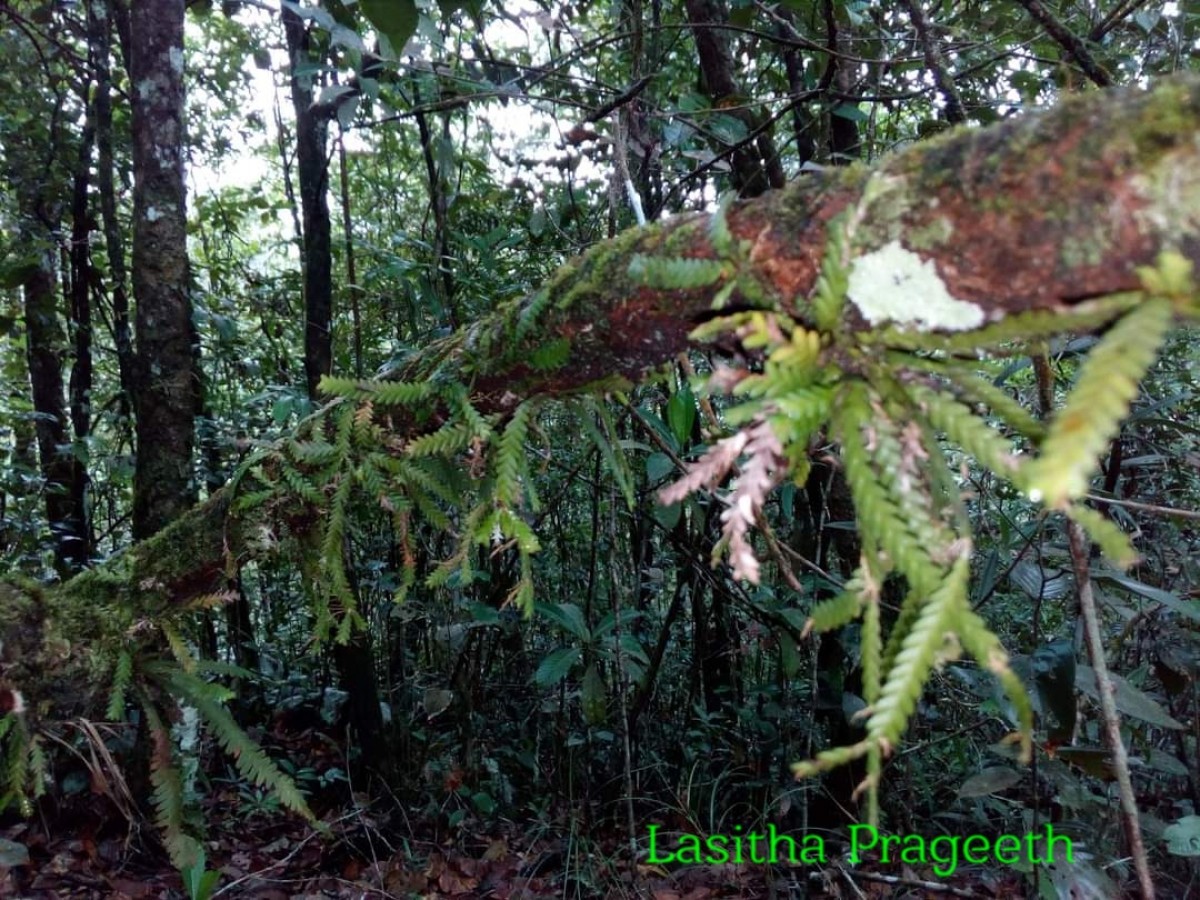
40, 200
165, 381
755, 165
312, 169
81, 326
46, 347
99, 40
353, 660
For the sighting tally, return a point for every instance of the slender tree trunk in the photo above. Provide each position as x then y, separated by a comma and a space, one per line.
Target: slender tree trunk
40, 147
312, 169
845, 145
353, 660
354, 292
165, 380
46, 348
755, 164
81, 327
100, 43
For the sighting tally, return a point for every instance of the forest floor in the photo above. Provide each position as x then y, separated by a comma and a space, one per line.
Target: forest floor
279, 858
78, 846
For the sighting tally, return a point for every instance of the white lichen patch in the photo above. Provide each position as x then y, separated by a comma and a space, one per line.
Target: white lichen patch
893, 284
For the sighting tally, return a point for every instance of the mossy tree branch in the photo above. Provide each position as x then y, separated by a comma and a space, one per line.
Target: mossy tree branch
1039, 213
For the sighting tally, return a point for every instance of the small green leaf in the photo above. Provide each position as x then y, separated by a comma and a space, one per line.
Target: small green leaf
281, 410
658, 467
681, 414
484, 802
849, 111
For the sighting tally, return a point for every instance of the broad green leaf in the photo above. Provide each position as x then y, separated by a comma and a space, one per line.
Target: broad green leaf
13, 854
1054, 679
849, 111
990, 781
395, 19
1130, 700
1187, 608
554, 668
1040, 582
1183, 837
658, 467
567, 616
594, 695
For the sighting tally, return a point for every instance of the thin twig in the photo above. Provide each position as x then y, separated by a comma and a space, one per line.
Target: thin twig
1108, 708
932, 887
1168, 511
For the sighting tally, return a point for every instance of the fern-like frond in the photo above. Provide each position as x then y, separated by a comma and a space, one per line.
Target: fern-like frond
122, 677
1091, 416
1113, 542
179, 648
979, 640
511, 465
981, 390
39, 770
301, 485
762, 471
676, 274
247, 755
719, 235
961, 426
829, 294
599, 427
871, 640
831, 759
427, 474
385, 393
480, 425
253, 500
453, 437
794, 365
167, 796
312, 453
15, 776
552, 354
895, 511
531, 312
721, 325
840, 609
926, 642
429, 510
801, 413
1013, 332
